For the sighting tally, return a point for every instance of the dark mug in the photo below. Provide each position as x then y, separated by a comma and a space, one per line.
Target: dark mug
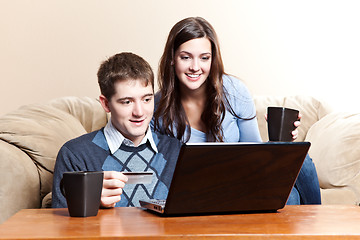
280, 121
82, 191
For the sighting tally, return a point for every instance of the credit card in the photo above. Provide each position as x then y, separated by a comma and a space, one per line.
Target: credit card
139, 177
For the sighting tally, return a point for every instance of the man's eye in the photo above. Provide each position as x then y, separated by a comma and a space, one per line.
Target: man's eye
126, 102
147, 99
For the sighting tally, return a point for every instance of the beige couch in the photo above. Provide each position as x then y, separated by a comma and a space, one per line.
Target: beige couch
31, 136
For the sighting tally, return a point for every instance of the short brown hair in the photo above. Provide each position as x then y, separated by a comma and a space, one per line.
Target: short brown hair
123, 66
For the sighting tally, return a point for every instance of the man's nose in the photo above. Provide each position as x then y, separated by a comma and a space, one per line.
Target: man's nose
138, 109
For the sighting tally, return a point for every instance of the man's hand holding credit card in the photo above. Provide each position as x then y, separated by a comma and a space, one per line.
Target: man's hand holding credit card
138, 177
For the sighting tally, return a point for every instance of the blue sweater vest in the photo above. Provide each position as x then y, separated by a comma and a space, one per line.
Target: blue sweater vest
90, 152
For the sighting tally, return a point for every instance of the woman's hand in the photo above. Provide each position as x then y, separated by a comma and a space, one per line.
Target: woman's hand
297, 123
295, 133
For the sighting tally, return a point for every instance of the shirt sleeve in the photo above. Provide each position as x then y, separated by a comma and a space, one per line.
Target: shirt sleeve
249, 130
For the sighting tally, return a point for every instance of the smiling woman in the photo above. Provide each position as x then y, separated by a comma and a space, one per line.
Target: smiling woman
192, 67
198, 102
184, 100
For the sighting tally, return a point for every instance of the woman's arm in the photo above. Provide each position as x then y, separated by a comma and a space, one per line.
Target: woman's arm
242, 104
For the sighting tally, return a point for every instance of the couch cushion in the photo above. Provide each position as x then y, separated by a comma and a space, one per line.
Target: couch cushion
338, 196
47, 201
310, 108
335, 150
87, 110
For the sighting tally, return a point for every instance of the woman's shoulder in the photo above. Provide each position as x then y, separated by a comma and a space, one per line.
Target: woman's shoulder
234, 87
239, 97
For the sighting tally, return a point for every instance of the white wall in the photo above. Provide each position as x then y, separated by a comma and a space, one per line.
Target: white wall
52, 48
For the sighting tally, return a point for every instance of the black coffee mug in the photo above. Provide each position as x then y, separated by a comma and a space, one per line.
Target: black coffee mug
82, 191
280, 121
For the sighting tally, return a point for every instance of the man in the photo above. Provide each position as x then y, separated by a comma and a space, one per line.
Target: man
126, 143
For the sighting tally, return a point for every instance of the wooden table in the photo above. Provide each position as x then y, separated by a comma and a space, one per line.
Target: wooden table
292, 222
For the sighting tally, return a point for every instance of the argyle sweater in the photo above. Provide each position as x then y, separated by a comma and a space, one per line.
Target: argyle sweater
90, 152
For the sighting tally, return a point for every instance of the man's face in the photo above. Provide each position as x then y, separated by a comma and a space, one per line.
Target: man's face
131, 108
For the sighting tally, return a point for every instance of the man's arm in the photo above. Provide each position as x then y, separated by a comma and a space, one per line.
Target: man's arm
65, 162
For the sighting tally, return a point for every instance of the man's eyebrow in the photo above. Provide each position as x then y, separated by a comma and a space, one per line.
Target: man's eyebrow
145, 95
124, 98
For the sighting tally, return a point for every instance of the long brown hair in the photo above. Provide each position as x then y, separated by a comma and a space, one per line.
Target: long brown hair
170, 113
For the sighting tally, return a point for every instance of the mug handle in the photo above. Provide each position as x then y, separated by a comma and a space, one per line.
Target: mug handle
62, 187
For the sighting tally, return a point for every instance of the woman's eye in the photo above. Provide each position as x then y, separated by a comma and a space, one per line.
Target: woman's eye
205, 58
184, 57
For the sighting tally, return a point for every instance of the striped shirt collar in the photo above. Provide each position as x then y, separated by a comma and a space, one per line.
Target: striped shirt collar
114, 138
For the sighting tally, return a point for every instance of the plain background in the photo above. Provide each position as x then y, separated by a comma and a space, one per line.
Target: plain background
53, 48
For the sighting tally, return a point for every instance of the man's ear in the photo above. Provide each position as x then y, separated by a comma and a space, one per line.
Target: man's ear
104, 103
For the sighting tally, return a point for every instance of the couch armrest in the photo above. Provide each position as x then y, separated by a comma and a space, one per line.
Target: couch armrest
19, 181
36, 132
335, 150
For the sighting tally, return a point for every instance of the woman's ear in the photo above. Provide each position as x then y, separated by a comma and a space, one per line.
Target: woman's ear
104, 103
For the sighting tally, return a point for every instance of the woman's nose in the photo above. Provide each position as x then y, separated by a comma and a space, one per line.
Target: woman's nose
194, 65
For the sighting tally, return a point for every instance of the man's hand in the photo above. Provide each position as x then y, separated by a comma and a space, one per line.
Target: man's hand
113, 184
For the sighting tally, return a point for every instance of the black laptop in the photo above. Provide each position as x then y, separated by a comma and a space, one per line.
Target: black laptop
220, 178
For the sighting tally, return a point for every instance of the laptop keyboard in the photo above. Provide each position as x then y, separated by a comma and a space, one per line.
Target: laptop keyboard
158, 201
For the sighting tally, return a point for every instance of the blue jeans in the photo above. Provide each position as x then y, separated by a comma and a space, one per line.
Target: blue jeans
306, 189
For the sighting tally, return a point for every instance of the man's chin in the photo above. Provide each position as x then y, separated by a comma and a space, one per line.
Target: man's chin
138, 134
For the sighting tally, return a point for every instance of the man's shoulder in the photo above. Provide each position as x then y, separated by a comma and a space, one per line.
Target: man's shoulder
164, 141
85, 139
160, 138
82, 153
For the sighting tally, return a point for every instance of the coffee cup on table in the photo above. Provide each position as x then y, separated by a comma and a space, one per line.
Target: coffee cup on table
82, 191
280, 121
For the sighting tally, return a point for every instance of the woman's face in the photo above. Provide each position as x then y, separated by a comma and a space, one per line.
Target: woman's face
193, 62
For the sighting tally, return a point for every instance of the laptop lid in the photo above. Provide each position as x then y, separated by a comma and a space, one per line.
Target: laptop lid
214, 178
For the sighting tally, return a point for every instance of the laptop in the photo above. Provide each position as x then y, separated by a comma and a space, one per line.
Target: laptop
221, 178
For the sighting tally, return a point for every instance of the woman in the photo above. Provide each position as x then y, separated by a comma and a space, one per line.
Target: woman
198, 102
